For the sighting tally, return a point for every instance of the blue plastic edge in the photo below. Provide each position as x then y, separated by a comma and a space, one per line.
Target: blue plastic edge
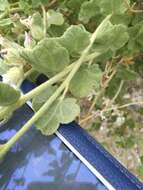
114, 172
119, 177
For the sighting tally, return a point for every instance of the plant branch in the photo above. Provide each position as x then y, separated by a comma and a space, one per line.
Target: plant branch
44, 20
131, 9
48, 103
118, 91
36, 91
100, 93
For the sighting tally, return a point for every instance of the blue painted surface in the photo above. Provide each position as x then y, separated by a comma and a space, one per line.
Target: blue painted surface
88, 147
37, 162
95, 154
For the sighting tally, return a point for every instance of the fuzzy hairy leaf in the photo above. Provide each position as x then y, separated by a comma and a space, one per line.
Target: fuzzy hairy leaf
67, 110
39, 100
126, 73
3, 67
3, 4
75, 39
113, 6
47, 56
64, 111
88, 10
92, 8
37, 3
54, 18
48, 123
8, 95
37, 28
111, 37
5, 22
88, 80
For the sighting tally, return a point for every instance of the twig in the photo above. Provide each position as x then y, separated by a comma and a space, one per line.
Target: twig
130, 104
124, 106
55, 95
118, 92
52, 3
86, 119
44, 20
131, 8
101, 92
28, 73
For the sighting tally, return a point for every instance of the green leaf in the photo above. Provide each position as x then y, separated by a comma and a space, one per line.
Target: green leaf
5, 22
64, 111
113, 6
85, 81
67, 110
3, 67
140, 170
88, 10
57, 31
135, 42
139, 36
3, 5
37, 3
25, 5
47, 56
94, 8
48, 123
74, 5
125, 73
141, 159
75, 39
111, 37
121, 19
8, 95
39, 100
54, 18
36, 27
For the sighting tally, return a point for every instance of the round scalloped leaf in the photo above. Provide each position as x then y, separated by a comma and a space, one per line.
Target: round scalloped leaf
64, 111
47, 57
8, 95
75, 39
37, 28
39, 100
48, 123
54, 18
85, 80
68, 110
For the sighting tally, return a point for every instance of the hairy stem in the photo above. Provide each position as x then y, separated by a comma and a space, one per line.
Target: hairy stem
131, 9
10, 11
36, 91
44, 20
57, 93
118, 91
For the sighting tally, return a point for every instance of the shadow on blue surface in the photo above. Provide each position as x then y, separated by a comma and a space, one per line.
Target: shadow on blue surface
37, 162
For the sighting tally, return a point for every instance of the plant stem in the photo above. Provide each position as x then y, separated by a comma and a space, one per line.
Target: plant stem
29, 72
15, 10
130, 104
124, 106
44, 20
14, 4
36, 91
4, 14
131, 9
45, 107
12, 10
100, 93
118, 91
86, 119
